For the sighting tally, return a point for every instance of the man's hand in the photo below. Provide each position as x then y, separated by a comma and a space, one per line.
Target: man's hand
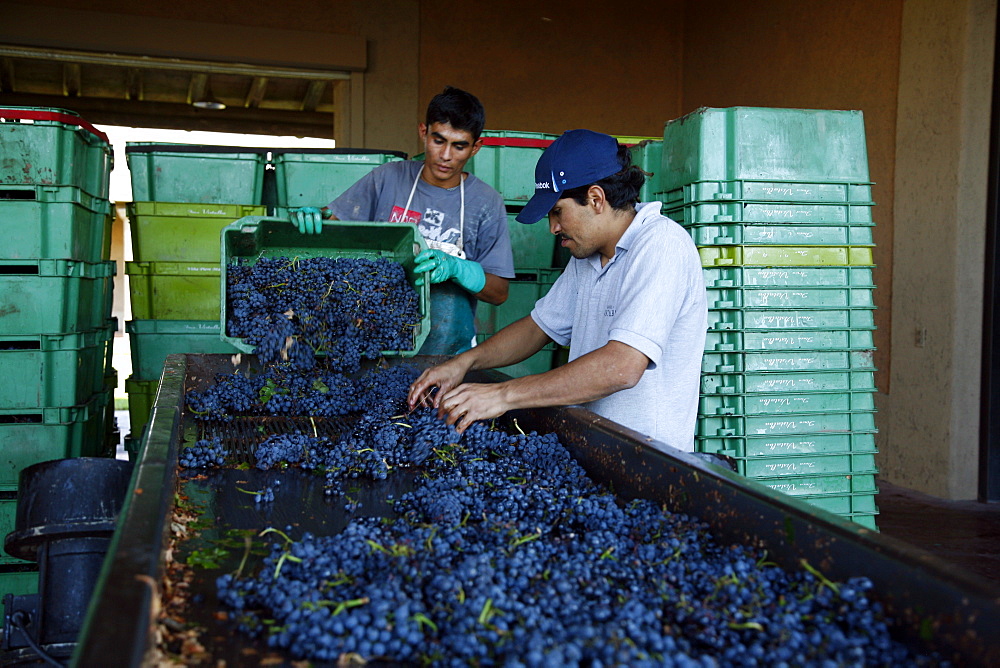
442, 267
470, 402
308, 219
444, 377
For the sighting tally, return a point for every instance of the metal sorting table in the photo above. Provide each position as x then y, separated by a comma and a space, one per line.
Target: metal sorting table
936, 606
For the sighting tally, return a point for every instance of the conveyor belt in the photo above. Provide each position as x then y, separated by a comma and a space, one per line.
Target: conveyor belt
936, 606
240, 436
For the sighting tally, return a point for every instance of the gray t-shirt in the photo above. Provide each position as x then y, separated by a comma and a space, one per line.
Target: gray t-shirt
381, 195
650, 296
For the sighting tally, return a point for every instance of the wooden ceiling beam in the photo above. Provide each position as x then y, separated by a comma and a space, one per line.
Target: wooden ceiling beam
196, 89
6, 75
313, 96
133, 84
185, 117
258, 87
71, 79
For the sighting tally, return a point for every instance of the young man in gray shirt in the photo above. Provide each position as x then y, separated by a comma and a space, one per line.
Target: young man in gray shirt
462, 218
631, 305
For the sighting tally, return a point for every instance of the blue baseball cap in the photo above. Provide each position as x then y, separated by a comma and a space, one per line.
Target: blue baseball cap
577, 158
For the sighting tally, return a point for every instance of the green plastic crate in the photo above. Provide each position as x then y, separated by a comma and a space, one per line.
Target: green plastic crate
174, 290
152, 340
795, 444
800, 319
796, 381
765, 144
864, 519
132, 445
54, 296
167, 172
141, 395
808, 485
54, 222
527, 287
647, 154
47, 146
253, 237
181, 231
532, 245
842, 339
775, 425
29, 436
785, 256
506, 161
315, 177
632, 140
801, 465
790, 298
774, 213
770, 404
52, 369
19, 580
785, 235
785, 361
811, 485
788, 277
767, 191
846, 505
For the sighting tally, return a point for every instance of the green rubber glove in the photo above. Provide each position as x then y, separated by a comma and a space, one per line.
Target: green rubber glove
308, 219
441, 267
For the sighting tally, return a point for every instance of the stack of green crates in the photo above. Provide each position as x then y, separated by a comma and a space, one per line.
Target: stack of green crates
184, 195
506, 161
779, 203
56, 282
647, 154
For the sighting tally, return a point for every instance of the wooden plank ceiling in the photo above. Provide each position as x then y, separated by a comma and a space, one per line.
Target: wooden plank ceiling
151, 92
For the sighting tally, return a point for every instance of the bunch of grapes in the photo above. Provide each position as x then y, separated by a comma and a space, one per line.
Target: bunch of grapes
206, 453
348, 309
279, 389
510, 555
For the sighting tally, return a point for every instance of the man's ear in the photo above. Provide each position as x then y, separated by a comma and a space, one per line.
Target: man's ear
596, 198
422, 131
475, 147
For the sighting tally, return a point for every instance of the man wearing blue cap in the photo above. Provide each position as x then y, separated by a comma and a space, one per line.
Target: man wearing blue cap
631, 305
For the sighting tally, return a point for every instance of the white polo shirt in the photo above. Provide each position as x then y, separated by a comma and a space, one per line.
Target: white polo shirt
650, 296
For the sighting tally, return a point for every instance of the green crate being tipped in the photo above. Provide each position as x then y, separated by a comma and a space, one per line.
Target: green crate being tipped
255, 237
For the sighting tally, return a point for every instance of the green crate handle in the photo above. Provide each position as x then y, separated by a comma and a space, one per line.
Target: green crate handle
57, 115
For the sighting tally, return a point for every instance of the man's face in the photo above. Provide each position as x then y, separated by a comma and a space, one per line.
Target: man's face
574, 224
446, 150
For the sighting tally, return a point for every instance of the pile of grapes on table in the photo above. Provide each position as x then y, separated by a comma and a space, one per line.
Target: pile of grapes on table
504, 552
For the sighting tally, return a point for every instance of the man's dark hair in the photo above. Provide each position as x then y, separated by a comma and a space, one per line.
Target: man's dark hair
621, 189
462, 110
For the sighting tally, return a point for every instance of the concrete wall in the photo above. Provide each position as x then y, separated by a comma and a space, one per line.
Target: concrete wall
941, 155
559, 65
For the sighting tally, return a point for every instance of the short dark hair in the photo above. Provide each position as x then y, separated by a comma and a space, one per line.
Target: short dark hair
462, 110
621, 188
